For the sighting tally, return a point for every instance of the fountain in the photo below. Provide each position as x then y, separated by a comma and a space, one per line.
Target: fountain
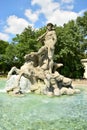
39, 72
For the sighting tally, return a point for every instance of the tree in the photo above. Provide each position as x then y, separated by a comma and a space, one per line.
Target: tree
10, 55
25, 43
68, 50
3, 46
82, 25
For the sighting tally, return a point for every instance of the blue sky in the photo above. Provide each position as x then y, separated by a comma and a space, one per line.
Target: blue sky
15, 15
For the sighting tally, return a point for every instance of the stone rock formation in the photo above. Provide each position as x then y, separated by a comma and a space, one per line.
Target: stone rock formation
38, 74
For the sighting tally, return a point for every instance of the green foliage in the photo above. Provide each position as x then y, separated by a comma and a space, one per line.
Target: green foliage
11, 56
68, 37
82, 25
70, 48
3, 46
25, 43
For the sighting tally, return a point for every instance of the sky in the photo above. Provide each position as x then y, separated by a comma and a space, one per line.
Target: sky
15, 15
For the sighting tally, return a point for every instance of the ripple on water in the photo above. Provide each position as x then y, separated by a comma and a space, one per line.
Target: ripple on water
37, 112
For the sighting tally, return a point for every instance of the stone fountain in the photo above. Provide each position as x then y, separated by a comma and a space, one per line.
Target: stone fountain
39, 72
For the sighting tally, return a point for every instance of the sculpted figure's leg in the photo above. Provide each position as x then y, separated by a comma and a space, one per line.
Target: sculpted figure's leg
40, 53
50, 65
42, 49
50, 59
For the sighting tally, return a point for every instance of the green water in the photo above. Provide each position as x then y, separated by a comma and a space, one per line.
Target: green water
37, 112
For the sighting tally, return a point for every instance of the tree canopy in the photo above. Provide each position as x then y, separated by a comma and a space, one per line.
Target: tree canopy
70, 48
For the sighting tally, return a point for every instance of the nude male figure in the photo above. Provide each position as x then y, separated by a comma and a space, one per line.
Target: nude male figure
50, 40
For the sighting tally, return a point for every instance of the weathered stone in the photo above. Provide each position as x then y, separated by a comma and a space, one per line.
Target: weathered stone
11, 83
57, 92
38, 74
63, 90
84, 62
59, 78
77, 91
50, 94
70, 91
66, 81
24, 85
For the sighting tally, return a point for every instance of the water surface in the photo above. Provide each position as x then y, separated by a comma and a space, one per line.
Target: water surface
39, 112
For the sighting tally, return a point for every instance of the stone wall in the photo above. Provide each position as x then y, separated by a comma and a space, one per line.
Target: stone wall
84, 62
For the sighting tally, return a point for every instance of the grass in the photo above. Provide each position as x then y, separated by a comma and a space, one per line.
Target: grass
39, 112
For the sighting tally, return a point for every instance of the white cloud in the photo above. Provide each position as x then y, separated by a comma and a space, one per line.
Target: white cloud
33, 17
53, 12
40, 2
15, 25
4, 36
67, 1
47, 7
46, 4
60, 17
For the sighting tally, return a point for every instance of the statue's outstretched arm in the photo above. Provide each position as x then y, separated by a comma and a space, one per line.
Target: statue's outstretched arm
42, 36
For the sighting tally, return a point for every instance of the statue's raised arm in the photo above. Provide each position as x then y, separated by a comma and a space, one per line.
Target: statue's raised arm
41, 37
